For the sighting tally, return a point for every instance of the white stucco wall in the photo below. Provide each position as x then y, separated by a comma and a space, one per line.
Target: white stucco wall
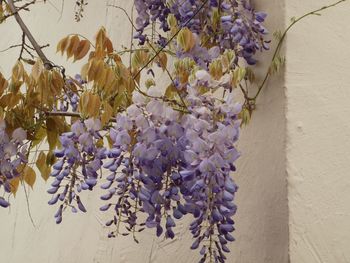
303, 137
318, 138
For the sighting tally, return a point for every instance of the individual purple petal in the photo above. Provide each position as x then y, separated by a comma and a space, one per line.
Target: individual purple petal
105, 207
170, 222
4, 203
80, 205
195, 244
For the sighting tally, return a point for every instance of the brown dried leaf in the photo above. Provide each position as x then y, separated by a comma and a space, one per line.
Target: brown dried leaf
82, 49
3, 84
62, 45
108, 45
163, 60
73, 45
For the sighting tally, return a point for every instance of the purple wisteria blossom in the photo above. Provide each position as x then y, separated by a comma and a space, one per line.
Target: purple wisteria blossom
234, 25
168, 165
13, 154
78, 164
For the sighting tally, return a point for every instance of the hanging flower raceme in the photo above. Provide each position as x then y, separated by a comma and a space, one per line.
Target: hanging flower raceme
160, 154
146, 152
234, 25
13, 157
150, 11
208, 188
70, 100
167, 158
167, 165
78, 164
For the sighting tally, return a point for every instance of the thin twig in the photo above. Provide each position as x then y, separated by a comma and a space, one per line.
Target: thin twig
171, 78
67, 114
126, 13
24, 7
28, 205
47, 63
23, 46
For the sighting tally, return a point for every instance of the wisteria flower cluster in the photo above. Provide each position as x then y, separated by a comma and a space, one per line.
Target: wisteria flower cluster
160, 154
80, 160
234, 25
161, 163
13, 155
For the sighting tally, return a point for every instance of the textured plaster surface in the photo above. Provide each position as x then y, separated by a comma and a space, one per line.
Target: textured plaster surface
262, 218
318, 93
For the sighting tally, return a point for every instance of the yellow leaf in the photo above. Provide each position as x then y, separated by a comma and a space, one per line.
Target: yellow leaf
10, 100
215, 69
89, 105
170, 91
3, 84
139, 59
17, 72
100, 74
94, 68
14, 183
29, 176
238, 75
186, 39
107, 114
110, 77
101, 38
52, 131
82, 49
83, 103
100, 143
37, 69
51, 158
172, 22
57, 82
42, 166
84, 71
94, 106
40, 134
163, 60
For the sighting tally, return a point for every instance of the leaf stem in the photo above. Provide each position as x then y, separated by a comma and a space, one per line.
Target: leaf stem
47, 63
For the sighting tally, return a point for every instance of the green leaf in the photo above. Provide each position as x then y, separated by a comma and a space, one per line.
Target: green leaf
14, 183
